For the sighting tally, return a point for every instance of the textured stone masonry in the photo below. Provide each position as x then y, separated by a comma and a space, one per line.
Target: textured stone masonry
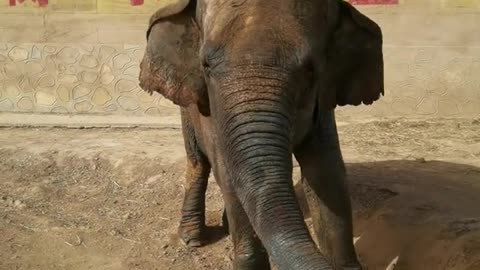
53, 60
69, 78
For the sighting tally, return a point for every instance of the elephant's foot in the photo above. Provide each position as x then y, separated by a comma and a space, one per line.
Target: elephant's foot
257, 261
191, 236
344, 264
351, 267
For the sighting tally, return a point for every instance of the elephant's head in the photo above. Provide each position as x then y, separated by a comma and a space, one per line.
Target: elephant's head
252, 65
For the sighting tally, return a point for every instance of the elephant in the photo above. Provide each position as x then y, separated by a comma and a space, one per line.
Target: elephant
257, 83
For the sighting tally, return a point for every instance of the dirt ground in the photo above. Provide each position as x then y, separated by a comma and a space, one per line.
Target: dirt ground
110, 198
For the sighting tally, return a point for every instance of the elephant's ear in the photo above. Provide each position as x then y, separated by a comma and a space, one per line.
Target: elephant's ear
354, 60
171, 65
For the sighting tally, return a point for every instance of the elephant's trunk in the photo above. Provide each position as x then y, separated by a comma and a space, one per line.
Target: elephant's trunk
256, 124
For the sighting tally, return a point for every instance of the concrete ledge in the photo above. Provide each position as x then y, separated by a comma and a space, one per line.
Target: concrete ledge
86, 121
173, 121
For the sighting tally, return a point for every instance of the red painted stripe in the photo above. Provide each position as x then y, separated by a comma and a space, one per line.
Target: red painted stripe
43, 3
136, 2
374, 2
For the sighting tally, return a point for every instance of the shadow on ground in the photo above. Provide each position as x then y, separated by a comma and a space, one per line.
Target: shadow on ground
419, 214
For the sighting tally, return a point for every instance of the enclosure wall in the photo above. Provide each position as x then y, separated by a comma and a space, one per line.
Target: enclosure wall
82, 57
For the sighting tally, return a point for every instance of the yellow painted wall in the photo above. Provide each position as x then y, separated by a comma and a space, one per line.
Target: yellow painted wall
93, 6
468, 4
82, 56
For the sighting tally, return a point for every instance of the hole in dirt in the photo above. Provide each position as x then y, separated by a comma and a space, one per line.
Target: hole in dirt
424, 214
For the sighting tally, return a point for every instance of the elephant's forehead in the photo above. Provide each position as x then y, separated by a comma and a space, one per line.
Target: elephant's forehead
220, 13
243, 18
215, 17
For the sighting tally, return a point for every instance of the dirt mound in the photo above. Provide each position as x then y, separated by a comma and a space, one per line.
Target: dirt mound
423, 215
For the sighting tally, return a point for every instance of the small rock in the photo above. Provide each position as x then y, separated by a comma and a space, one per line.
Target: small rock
8, 201
421, 160
165, 246
18, 204
153, 179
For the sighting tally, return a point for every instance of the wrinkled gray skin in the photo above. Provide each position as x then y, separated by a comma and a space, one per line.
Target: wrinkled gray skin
257, 81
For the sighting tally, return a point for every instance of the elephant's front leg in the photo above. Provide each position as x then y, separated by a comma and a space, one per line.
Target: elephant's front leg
192, 223
248, 250
323, 177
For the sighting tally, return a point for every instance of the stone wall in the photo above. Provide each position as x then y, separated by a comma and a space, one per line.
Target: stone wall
82, 57
432, 59
71, 78
73, 57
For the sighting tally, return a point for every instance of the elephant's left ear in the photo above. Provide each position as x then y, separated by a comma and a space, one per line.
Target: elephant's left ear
354, 60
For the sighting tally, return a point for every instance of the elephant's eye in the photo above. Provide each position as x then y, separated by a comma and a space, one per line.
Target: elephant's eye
206, 66
212, 57
205, 63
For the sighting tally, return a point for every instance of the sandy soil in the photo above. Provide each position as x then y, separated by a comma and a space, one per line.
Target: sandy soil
110, 198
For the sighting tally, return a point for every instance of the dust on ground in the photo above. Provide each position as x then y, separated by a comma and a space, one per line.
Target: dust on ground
110, 198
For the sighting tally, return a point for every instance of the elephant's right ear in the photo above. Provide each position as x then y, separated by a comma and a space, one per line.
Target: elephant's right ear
171, 65
354, 60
